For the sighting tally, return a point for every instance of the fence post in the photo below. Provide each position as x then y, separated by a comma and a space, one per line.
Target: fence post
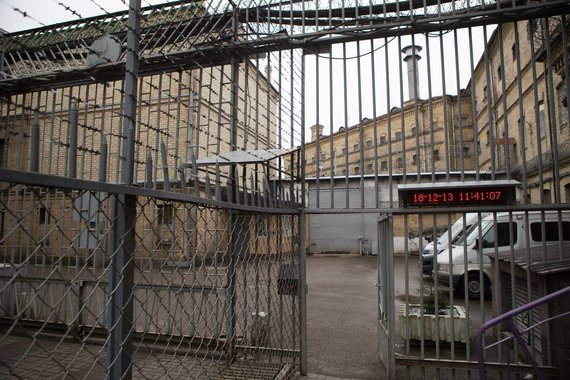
303, 292
120, 325
231, 182
121, 274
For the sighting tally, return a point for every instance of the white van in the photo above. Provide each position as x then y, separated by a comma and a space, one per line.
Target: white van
451, 262
455, 232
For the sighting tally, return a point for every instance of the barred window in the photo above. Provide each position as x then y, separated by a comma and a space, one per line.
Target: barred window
165, 214
261, 227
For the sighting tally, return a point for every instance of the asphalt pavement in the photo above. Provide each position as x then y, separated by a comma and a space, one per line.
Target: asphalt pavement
342, 315
342, 312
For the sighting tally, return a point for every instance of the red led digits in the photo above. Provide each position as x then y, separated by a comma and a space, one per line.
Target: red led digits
456, 197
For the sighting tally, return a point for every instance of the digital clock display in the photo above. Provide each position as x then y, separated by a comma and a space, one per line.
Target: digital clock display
456, 197
458, 194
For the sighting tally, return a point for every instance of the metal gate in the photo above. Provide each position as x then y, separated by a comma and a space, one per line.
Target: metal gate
385, 285
162, 167
150, 217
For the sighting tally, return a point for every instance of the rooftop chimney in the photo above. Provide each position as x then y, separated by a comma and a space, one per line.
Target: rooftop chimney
411, 57
316, 131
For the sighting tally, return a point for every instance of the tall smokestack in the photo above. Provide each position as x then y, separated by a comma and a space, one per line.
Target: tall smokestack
411, 57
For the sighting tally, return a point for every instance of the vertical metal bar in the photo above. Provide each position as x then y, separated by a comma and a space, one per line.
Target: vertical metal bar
35, 145
148, 170
190, 123
317, 133
22, 137
140, 147
114, 130
178, 123
72, 150
389, 125
533, 64
218, 124
444, 109
103, 160
99, 254
103, 113
157, 137
387, 312
552, 116
566, 65
120, 322
360, 129
82, 164
414, 89
90, 119
474, 116
303, 293
302, 230
233, 249
165, 173
402, 141
430, 117
246, 99
333, 153
458, 151
502, 79
345, 110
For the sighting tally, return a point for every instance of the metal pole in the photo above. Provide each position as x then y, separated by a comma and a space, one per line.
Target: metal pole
103, 160
232, 278
148, 171
35, 145
391, 295
303, 293
72, 152
120, 346
165, 174
302, 231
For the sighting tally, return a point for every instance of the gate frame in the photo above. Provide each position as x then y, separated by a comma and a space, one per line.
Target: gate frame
386, 294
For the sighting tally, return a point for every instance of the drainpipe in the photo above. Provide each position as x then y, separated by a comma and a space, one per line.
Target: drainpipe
453, 155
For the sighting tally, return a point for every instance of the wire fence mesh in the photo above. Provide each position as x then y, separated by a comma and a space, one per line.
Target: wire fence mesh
204, 281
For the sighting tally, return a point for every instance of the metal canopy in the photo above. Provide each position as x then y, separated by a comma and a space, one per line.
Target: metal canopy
245, 157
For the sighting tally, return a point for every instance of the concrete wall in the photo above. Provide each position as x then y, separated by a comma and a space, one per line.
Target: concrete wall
343, 233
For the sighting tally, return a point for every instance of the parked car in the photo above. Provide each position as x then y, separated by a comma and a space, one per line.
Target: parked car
455, 232
506, 231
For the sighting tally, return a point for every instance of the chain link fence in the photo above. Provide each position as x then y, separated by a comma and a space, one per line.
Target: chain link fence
208, 287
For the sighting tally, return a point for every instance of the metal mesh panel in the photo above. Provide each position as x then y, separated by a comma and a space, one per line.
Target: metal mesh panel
205, 287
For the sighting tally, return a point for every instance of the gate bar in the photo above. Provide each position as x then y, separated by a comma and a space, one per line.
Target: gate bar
303, 292
120, 346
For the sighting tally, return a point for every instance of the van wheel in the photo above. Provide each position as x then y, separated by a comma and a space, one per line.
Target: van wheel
474, 286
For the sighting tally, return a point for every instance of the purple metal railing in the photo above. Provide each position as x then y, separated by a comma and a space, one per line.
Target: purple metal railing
518, 335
